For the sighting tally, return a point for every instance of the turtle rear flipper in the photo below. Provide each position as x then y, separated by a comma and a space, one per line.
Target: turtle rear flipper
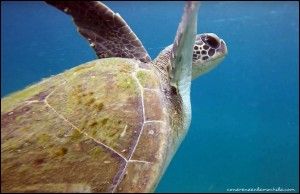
107, 32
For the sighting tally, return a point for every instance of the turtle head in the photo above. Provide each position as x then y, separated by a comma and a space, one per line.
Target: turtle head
209, 50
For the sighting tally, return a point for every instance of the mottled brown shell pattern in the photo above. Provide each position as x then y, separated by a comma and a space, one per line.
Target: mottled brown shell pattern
99, 127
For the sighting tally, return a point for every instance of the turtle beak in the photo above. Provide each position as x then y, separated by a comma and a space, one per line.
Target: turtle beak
223, 47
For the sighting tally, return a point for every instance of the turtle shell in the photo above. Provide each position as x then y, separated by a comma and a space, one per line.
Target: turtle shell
99, 127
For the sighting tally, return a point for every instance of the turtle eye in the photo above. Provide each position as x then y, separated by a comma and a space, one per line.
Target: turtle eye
211, 41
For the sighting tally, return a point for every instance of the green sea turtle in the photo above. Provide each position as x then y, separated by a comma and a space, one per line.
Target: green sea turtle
109, 125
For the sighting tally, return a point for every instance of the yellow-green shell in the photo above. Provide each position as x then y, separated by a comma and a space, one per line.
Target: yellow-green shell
99, 127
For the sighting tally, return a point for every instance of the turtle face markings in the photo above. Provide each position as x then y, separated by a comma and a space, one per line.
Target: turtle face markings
209, 50
204, 48
211, 41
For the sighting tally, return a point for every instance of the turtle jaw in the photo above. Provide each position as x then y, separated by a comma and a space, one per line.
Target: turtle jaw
199, 70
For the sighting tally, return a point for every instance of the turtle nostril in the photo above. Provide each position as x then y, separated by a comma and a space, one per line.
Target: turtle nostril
213, 42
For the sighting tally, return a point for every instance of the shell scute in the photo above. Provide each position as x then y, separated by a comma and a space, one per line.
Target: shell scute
86, 121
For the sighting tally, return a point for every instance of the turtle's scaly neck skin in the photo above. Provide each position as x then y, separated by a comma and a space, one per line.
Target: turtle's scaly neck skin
179, 110
203, 61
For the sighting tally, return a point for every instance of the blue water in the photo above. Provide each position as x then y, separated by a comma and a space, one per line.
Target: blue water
245, 126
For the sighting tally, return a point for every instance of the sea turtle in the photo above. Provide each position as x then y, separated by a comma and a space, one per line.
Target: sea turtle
109, 125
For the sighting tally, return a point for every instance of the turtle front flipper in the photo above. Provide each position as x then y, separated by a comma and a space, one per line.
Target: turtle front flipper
182, 50
107, 32
181, 59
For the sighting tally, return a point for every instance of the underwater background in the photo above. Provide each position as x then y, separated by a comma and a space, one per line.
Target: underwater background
245, 126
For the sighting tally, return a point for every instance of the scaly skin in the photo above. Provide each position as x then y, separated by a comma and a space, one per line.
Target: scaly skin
104, 126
